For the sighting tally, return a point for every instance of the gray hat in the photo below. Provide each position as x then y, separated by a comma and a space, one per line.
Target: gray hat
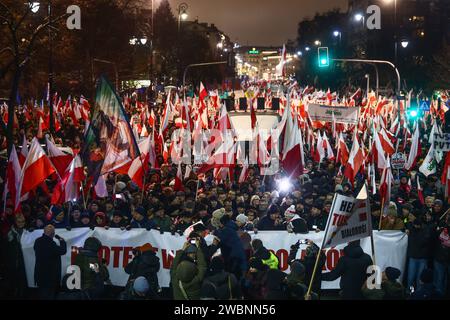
141, 285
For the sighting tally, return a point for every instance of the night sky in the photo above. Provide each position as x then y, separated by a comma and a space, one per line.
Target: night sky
257, 22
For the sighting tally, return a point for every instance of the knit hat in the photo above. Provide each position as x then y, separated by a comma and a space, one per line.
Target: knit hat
392, 273
242, 218
392, 209
290, 212
140, 210
120, 185
141, 285
216, 215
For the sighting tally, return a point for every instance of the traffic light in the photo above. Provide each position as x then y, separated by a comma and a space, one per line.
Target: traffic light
324, 59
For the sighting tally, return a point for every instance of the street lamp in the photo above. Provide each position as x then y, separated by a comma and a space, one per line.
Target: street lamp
34, 6
143, 41
404, 43
336, 33
307, 48
359, 17
182, 13
299, 53
317, 43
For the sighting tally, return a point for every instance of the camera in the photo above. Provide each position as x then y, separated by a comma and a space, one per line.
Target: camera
305, 241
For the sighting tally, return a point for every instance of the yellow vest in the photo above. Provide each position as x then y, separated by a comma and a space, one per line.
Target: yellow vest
272, 262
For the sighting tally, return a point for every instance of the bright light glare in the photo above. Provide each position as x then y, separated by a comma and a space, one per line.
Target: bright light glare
358, 17
413, 113
284, 185
34, 7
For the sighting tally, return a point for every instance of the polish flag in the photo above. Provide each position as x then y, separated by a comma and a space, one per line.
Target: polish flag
386, 142
144, 132
178, 180
342, 152
166, 116
59, 159
244, 172
40, 132
320, 150
68, 188
35, 170
12, 178
445, 177
420, 191
378, 151
385, 185
415, 151
355, 161
23, 151
293, 159
152, 119
139, 165
202, 96
327, 146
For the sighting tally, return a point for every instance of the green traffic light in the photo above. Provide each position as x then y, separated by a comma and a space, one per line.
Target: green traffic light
324, 60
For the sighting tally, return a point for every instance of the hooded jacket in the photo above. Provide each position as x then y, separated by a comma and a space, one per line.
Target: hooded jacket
187, 276
145, 265
352, 268
231, 246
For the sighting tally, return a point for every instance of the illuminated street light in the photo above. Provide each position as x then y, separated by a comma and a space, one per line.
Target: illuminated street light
317, 43
144, 41
34, 6
307, 48
336, 33
184, 15
404, 43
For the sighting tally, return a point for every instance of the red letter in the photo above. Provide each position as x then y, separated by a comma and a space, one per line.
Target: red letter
167, 259
282, 255
116, 251
332, 258
126, 255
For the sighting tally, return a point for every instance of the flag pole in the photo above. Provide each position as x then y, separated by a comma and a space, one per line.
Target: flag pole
320, 251
84, 197
381, 214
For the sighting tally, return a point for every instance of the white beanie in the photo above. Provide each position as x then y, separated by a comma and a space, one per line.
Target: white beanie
120, 185
242, 218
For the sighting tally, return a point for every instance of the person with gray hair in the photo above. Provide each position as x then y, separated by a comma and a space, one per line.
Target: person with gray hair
47, 270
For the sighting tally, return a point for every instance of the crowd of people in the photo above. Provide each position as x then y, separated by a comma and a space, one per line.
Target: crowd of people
228, 210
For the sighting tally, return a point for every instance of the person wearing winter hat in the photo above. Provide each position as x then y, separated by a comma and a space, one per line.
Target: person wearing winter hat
225, 283
117, 220
86, 219
137, 291
267, 257
100, 220
272, 221
140, 219
120, 186
57, 217
393, 289
241, 221
392, 221
216, 215
294, 223
187, 275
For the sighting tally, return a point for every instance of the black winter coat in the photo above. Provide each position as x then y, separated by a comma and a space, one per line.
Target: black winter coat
352, 268
146, 265
420, 243
224, 282
47, 270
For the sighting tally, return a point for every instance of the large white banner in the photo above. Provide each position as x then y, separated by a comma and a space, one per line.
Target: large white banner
319, 112
390, 249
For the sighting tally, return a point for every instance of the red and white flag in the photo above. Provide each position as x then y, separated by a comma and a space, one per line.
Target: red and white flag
293, 157
35, 170
59, 159
244, 172
68, 188
420, 191
386, 184
415, 150
355, 161
178, 180
342, 151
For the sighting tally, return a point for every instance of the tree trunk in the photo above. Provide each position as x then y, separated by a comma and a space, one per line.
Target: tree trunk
11, 107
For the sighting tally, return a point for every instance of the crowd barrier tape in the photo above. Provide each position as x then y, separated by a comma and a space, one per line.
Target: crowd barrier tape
390, 249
